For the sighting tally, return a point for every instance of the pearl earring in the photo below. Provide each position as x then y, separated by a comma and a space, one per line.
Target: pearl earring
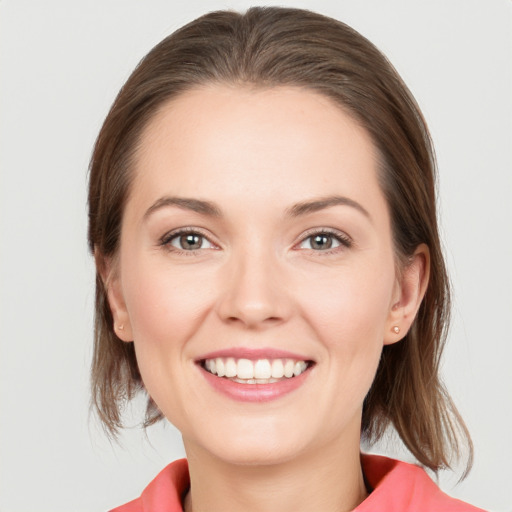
396, 329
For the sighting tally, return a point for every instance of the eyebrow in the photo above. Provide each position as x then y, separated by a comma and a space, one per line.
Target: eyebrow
321, 203
185, 203
212, 210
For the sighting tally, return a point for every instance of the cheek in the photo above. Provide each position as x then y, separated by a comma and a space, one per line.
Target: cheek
166, 307
348, 312
351, 302
164, 303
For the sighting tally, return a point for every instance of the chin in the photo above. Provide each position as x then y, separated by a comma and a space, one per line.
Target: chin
255, 445
263, 455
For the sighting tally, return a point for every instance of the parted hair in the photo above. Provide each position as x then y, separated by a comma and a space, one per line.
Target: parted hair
270, 47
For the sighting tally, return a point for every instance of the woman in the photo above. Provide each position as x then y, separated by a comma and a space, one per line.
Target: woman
262, 215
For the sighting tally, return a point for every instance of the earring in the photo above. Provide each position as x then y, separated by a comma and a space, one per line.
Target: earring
120, 327
396, 329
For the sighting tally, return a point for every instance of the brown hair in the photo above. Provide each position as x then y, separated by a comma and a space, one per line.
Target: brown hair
267, 47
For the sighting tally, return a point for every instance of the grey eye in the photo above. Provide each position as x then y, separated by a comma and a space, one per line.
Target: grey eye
320, 242
190, 242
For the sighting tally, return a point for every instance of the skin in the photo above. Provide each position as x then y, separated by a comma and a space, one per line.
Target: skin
257, 282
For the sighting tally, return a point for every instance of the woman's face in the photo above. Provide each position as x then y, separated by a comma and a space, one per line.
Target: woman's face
256, 241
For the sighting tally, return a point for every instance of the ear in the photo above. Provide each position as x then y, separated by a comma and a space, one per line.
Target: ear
108, 268
408, 293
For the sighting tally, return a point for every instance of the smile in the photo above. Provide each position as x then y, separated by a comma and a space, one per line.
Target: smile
260, 375
261, 371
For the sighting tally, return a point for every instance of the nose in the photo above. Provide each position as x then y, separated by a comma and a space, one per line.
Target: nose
254, 291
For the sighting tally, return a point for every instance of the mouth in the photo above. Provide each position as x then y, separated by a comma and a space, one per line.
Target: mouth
255, 375
255, 371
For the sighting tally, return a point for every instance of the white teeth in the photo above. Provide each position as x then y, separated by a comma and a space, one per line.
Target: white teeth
262, 371
288, 368
230, 367
255, 381
245, 369
277, 369
299, 367
219, 363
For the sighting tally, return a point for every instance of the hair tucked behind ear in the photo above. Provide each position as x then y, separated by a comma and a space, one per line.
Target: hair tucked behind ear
268, 47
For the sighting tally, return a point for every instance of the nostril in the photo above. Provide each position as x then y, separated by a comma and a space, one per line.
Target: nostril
253, 320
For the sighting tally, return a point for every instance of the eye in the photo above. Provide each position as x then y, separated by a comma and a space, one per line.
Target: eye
187, 241
324, 241
320, 242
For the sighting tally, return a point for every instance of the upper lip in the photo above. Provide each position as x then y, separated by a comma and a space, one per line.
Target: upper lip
253, 354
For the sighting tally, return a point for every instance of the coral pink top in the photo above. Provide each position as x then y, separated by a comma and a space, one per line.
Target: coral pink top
397, 487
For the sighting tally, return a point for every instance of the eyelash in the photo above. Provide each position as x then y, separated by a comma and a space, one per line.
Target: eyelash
166, 240
344, 240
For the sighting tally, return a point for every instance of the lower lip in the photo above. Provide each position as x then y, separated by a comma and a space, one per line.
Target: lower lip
254, 392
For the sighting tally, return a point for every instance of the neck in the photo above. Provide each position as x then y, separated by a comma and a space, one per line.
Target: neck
329, 480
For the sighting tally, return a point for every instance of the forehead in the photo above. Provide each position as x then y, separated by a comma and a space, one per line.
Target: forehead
283, 141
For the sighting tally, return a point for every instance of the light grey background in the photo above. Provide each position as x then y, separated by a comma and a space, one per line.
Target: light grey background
62, 62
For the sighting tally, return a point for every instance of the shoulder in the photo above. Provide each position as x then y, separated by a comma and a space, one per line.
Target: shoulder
398, 486
164, 493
